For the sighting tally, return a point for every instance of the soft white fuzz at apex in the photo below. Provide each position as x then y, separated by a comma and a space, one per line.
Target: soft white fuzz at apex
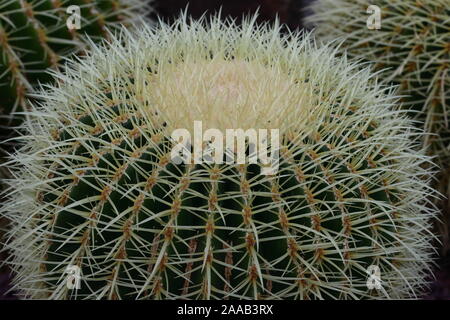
412, 48
226, 94
93, 185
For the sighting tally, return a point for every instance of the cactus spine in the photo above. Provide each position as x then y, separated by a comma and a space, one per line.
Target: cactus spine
412, 44
34, 37
413, 49
94, 185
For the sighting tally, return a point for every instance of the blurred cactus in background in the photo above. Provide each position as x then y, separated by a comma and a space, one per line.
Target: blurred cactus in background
35, 36
412, 48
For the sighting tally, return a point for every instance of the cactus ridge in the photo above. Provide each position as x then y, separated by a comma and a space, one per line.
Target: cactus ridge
413, 49
34, 37
94, 185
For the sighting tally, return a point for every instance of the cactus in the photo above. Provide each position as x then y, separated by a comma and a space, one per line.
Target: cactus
34, 37
412, 47
95, 186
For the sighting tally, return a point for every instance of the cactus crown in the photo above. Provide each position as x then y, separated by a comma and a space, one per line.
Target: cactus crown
94, 186
34, 37
412, 47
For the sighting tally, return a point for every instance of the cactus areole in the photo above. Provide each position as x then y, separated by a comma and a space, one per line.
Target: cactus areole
95, 187
412, 48
35, 35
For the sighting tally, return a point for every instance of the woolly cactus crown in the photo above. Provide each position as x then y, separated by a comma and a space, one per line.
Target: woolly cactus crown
412, 46
94, 186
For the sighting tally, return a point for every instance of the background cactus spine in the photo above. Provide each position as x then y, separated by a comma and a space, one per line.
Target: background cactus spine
412, 47
34, 37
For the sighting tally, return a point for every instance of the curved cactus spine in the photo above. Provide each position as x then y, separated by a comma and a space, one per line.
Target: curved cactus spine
94, 185
412, 44
34, 37
413, 49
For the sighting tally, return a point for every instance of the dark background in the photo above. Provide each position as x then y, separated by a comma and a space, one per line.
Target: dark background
289, 12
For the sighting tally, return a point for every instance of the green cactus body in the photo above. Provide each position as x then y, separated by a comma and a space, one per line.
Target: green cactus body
34, 37
95, 185
413, 49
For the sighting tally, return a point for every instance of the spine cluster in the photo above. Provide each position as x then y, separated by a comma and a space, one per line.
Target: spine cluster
94, 185
34, 37
412, 49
